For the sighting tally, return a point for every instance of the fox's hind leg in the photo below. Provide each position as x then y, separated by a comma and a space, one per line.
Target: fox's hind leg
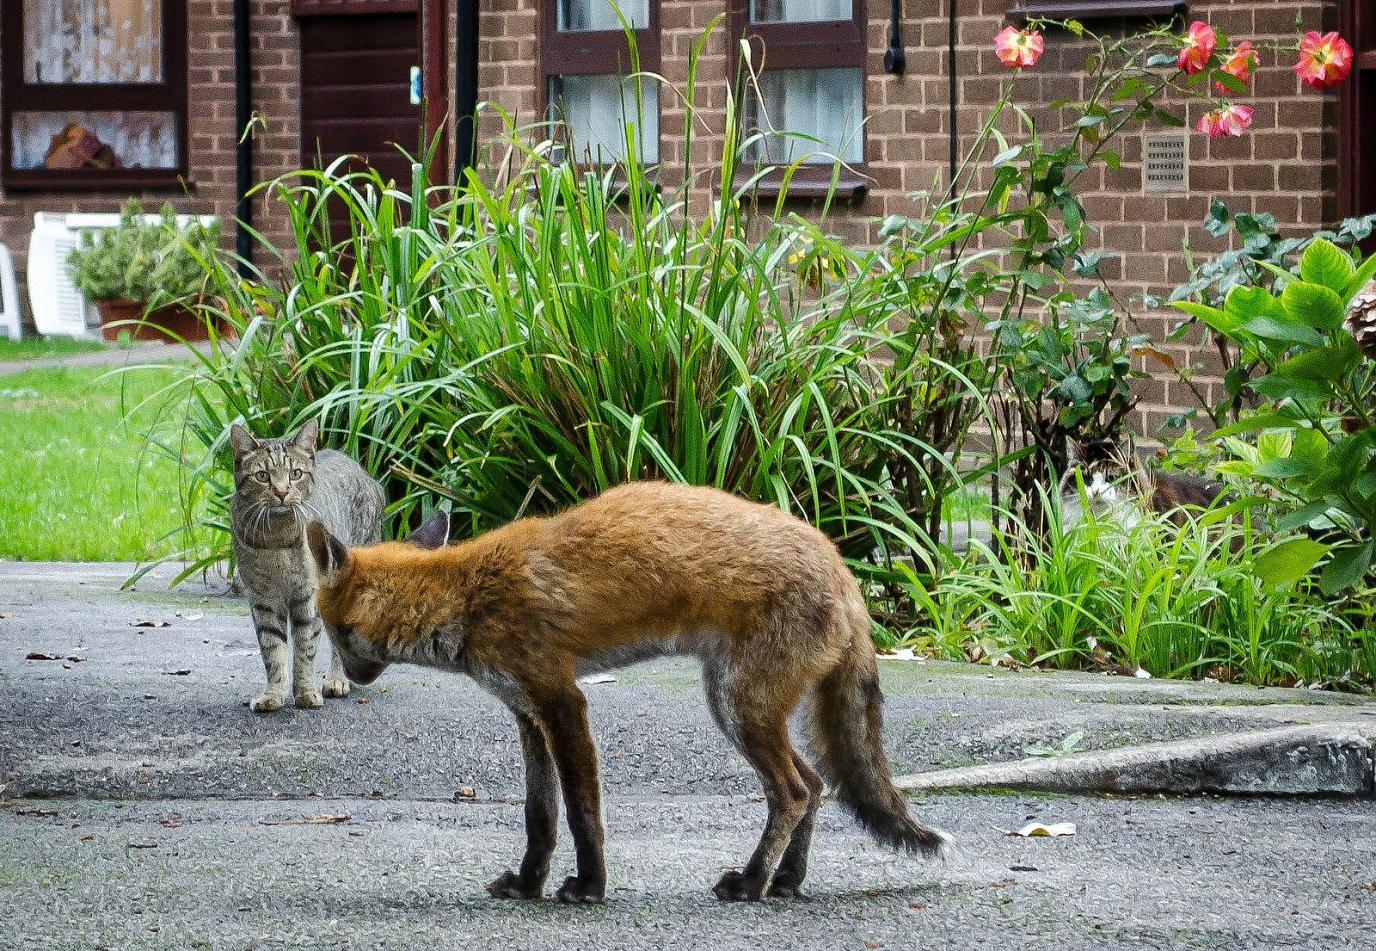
793, 866
542, 816
760, 732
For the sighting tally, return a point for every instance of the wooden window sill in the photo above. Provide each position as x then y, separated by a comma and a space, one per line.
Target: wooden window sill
807, 182
132, 179
1089, 9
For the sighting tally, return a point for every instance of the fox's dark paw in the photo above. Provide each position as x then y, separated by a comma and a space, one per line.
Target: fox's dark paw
582, 890
509, 885
735, 886
784, 886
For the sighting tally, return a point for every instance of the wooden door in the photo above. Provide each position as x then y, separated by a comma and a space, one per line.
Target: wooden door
357, 57
1357, 155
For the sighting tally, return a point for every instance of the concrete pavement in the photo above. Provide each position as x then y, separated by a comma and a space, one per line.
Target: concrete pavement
148, 808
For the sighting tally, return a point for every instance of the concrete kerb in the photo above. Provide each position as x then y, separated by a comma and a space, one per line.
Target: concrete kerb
1334, 759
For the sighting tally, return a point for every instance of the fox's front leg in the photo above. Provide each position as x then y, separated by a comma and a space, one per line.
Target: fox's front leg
563, 713
542, 816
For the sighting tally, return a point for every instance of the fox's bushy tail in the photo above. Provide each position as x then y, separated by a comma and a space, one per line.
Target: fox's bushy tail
848, 746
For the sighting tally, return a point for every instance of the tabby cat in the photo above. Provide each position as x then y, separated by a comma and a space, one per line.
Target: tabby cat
279, 486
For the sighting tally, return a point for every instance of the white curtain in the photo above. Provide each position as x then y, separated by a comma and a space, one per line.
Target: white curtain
799, 11
826, 104
139, 139
92, 41
599, 14
594, 110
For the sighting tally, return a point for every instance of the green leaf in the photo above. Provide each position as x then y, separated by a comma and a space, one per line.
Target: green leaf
1217, 320
1245, 302
1007, 155
1302, 516
1288, 467
1253, 423
1328, 364
1326, 264
1283, 329
1365, 272
1314, 304
1346, 568
1288, 561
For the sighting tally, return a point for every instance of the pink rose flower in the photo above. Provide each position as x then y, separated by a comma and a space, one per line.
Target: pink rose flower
1232, 120
1017, 48
1324, 60
1200, 43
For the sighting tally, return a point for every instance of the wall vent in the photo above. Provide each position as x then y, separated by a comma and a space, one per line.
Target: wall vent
1165, 162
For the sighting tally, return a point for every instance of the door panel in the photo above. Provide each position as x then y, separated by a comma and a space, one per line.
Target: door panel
1357, 157
356, 94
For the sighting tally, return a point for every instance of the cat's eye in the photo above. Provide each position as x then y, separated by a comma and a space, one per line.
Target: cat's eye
295, 474
261, 476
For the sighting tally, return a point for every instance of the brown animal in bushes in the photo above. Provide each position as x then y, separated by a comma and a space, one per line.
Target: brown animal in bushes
647, 569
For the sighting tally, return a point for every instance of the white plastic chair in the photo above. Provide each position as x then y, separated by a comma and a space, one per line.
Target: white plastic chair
9, 296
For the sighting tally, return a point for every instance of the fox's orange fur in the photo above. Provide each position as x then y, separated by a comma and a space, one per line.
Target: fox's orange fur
762, 598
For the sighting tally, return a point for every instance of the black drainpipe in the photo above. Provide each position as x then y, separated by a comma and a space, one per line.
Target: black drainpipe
465, 86
895, 60
243, 154
953, 90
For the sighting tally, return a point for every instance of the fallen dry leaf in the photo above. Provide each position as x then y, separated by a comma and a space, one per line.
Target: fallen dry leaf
1036, 830
35, 811
39, 655
143, 845
88, 838
176, 673
464, 792
1004, 883
364, 700
917, 904
170, 824
151, 622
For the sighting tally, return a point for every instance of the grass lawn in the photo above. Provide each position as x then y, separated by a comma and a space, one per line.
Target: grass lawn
33, 348
76, 480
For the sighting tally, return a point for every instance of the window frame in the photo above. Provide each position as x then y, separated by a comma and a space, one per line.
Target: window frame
594, 53
169, 96
812, 44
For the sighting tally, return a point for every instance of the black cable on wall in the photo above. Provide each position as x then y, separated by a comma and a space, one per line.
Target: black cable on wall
243, 152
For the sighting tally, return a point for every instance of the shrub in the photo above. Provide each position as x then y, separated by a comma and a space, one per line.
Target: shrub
152, 264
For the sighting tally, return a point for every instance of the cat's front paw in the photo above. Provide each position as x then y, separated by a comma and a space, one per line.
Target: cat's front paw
336, 688
510, 885
309, 700
267, 702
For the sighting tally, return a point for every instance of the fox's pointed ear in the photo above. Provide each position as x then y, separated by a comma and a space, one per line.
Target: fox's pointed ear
433, 532
307, 435
329, 552
241, 440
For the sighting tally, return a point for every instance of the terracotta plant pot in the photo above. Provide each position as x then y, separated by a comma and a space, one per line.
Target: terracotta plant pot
176, 319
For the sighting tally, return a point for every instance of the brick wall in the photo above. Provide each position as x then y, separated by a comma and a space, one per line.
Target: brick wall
1286, 165
211, 135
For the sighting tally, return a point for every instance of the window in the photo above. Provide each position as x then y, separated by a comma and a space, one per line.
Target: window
585, 62
810, 55
94, 93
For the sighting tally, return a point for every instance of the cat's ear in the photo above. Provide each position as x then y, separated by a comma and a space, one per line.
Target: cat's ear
433, 533
307, 435
241, 440
329, 553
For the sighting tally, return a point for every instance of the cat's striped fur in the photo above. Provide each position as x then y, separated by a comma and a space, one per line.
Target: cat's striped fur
279, 486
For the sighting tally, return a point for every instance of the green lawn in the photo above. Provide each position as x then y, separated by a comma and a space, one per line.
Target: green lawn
76, 482
32, 348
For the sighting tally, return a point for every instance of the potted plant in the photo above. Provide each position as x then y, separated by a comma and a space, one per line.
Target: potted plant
144, 277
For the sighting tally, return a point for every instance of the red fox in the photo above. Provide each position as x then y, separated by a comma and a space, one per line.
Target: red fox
760, 597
